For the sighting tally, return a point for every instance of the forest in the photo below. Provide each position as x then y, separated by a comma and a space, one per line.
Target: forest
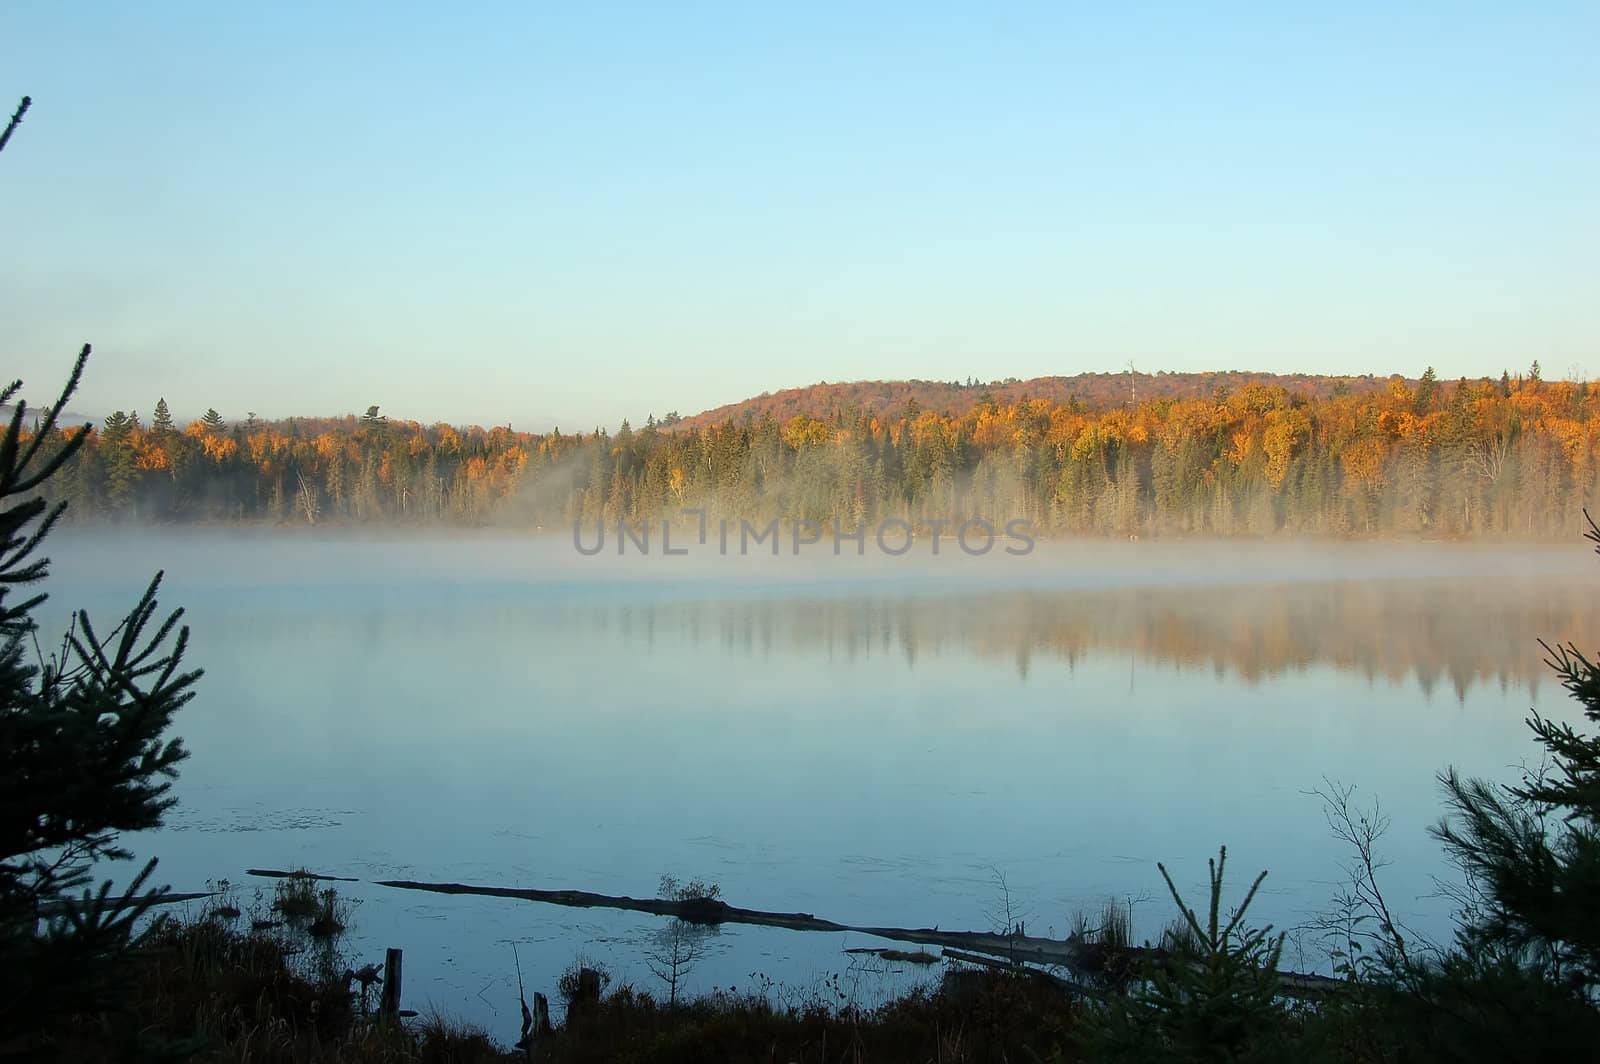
1514, 457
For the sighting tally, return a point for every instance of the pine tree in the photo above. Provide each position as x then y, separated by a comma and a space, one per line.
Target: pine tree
161, 422
213, 421
374, 429
116, 445
81, 738
1523, 980
1217, 997
1426, 388
1534, 848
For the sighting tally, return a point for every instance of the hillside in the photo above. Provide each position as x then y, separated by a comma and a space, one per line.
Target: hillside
1096, 391
1200, 454
67, 420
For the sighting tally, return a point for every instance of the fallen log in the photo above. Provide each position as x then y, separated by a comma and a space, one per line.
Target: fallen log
1012, 950
58, 908
900, 956
1038, 973
273, 873
714, 911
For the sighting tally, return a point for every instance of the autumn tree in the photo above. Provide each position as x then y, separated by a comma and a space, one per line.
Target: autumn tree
1247, 456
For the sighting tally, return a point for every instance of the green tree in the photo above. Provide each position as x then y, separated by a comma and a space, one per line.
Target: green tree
1216, 998
1522, 980
213, 421
1534, 847
85, 758
119, 462
1427, 387
161, 422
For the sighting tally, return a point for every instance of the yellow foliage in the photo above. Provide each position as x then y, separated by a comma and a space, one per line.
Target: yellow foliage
151, 455
219, 448
802, 431
1285, 430
1363, 462
1242, 444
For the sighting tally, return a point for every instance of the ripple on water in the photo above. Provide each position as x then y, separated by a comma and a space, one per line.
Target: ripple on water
257, 819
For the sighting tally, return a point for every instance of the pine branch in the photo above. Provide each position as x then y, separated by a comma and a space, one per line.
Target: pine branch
16, 120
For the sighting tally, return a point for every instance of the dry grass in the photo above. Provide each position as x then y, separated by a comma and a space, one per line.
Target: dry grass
989, 1016
204, 992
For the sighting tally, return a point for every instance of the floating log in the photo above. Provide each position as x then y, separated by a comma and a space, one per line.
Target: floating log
1038, 973
920, 956
273, 873
714, 911
1016, 949
59, 908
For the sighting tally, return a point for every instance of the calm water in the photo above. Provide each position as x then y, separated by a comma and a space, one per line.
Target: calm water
869, 740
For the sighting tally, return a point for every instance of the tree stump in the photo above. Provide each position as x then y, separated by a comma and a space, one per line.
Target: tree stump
389, 1007
587, 994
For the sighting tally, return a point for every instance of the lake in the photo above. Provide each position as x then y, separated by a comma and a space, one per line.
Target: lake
872, 740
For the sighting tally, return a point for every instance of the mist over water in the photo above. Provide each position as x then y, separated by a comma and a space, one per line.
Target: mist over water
867, 739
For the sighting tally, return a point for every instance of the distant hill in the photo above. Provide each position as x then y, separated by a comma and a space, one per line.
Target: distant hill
1096, 391
67, 420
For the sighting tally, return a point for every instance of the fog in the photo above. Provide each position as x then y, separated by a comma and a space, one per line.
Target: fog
269, 559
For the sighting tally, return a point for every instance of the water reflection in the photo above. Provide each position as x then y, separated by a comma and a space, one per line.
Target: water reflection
1455, 634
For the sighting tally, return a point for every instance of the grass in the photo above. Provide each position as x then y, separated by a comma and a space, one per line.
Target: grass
208, 990
993, 1016
203, 992
919, 956
295, 897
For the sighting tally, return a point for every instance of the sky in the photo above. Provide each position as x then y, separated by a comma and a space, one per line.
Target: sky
566, 215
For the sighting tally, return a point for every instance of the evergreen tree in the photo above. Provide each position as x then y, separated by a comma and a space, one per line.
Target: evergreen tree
374, 429
116, 444
81, 736
1426, 388
1535, 847
161, 422
1216, 998
213, 421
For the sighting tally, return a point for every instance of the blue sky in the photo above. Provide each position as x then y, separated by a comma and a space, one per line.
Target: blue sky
570, 215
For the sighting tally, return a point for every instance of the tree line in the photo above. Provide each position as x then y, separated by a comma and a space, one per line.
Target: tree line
1097, 390
1515, 457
